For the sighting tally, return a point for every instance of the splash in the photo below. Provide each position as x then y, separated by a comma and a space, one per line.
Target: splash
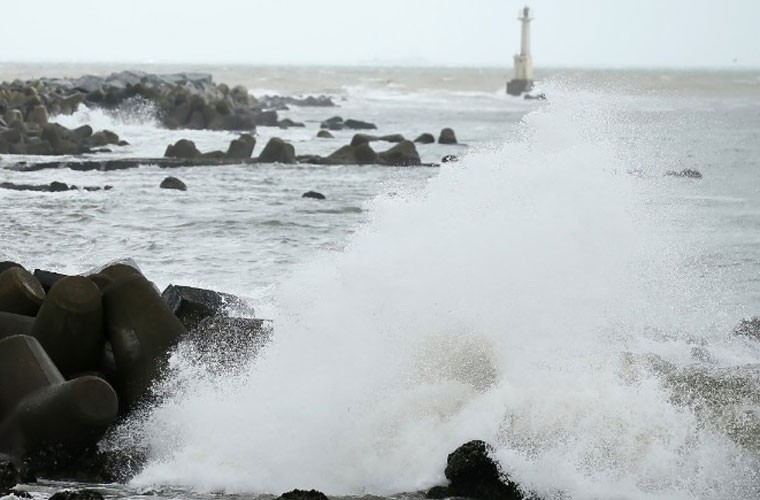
131, 114
526, 297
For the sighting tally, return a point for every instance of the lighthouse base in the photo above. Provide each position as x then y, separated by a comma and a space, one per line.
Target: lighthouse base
517, 87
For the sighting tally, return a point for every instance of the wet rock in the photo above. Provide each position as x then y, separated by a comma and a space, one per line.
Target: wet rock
425, 138
536, 97
38, 116
748, 328
20, 292
7, 264
334, 123
440, 492
313, 194
450, 159
41, 409
173, 183
47, 278
303, 495
447, 136
53, 187
142, 329
324, 134
392, 138
102, 138
402, 154
358, 139
242, 147
287, 123
474, 474
362, 154
9, 477
359, 125
15, 324
183, 148
191, 305
85, 494
688, 172
277, 151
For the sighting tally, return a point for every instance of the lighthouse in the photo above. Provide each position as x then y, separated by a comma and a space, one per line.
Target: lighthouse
523, 77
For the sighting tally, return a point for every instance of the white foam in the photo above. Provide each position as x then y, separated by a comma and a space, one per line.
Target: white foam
498, 304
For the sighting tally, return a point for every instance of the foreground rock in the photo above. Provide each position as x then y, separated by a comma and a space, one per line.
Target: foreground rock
403, 154
37, 137
473, 474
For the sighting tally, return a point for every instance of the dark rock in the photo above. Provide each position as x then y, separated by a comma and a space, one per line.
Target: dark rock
9, 477
183, 148
7, 264
191, 305
450, 159
20, 292
15, 324
474, 474
277, 151
334, 123
425, 138
749, 328
53, 187
173, 183
85, 494
47, 278
313, 194
447, 137
392, 138
82, 132
38, 116
440, 492
303, 495
538, 97
142, 329
242, 147
358, 139
362, 154
402, 154
69, 325
287, 123
359, 125
688, 172
324, 134
102, 138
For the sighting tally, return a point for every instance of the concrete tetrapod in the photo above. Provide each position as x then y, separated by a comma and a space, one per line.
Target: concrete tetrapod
69, 325
15, 324
40, 409
141, 329
20, 292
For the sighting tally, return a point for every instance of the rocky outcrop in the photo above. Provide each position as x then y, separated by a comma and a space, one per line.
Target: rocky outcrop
337, 123
403, 154
277, 151
41, 138
447, 136
473, 474
53, 187
282, 103
361, 154
324, 134
314, 195
173, 183
183, 148
425, 138
303, 495
242, 147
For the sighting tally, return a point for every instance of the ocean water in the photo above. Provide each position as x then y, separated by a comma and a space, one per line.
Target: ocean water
553, 293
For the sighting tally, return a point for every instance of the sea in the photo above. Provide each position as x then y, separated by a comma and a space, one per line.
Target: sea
554, 292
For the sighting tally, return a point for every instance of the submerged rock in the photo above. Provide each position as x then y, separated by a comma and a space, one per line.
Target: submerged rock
313, 194
173, 183
325, 134
85, 494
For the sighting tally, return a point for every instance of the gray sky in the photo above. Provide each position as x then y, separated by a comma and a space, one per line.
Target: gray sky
448, 32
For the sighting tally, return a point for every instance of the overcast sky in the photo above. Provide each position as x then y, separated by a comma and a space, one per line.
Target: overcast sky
596, 33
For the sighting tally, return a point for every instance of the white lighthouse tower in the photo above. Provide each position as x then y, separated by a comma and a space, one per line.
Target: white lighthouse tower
523, 77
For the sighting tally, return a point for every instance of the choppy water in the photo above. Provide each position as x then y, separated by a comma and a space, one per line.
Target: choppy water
553, 293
